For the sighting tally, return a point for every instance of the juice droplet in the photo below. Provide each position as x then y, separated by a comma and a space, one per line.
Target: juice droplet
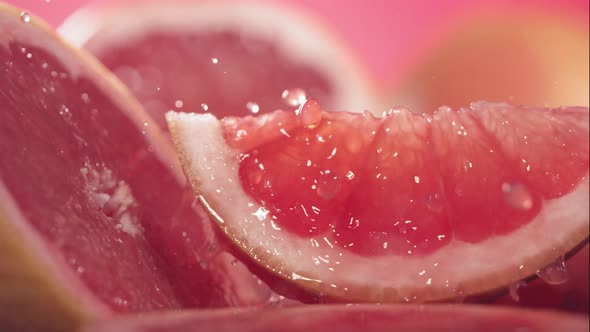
204, 107
253, 107
240, 134
554, 273
65, 112
310, 113
434, 202
274, 301
214, 61
513, 290
294, 97
328, 185
517, 196
25, 17
178, 104
350, 175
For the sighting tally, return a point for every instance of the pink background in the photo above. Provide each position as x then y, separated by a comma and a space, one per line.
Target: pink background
387, 35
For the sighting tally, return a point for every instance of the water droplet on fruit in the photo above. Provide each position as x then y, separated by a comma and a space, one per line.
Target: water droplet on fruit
204, 107
310, 113
215, 60
328, 185
517, 196
178, 104
350, 175
25, 17
294, 97
261, 213
274, 301
513, 290
253, 107
65, 112
554, 273
120, 302
434, 202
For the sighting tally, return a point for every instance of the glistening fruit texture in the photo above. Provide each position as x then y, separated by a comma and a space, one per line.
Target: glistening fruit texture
297, 208
338, 202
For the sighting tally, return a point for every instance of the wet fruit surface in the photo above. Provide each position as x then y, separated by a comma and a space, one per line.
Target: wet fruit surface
337, 202
63, 172
408, 184
86, 171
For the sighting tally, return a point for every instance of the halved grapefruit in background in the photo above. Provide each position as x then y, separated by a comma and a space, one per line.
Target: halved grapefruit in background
400, 208
225, 58
95, 215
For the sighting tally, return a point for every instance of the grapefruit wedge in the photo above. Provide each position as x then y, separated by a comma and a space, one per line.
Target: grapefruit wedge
400, 208
226, 58
95, 215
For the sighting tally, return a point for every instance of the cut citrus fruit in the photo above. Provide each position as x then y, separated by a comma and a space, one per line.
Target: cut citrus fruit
400, 208
95, 215
224, 58
369, 318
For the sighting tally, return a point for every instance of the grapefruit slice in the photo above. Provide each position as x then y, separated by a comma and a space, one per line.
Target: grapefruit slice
95, 215
400, 208
370, 318
225, 58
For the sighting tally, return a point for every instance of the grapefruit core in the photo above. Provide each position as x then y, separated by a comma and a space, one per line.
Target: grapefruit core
404, 207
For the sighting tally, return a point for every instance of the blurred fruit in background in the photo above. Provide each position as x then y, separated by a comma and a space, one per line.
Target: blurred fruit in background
535, 60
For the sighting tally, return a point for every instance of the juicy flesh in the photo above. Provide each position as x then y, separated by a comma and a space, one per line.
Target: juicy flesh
88, 181
222, 72
408, 184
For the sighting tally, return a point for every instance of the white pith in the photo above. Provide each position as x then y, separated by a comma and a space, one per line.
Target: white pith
301, 40
458, 268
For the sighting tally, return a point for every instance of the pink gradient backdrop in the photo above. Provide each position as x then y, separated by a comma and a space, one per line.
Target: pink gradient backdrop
387, 35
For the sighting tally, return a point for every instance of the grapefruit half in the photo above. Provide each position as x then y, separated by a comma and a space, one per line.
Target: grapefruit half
400, 208
95, 215
226, 58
